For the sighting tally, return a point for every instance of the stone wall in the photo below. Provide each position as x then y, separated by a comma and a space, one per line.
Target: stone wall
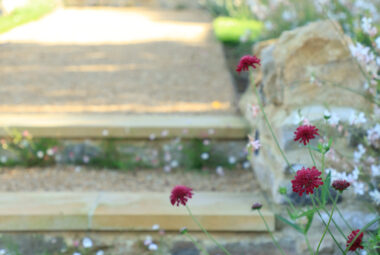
289, 81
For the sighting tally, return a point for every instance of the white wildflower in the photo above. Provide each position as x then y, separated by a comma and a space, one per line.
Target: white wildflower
153, 247
220, 171
105, 132
367, 26
155, 227
377, 41
87, 243
167, 169
148, 240
174, 164
333, 120
231, 160
100, 252
253, 144
358, 188
362, 53
327, 114
357, 119
246, 165
165, 133
40, 154
375, 195
359, 153
373, 134
205, 156
152, 137
375, 170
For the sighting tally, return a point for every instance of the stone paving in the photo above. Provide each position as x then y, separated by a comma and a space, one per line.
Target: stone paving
115, 60
127, 211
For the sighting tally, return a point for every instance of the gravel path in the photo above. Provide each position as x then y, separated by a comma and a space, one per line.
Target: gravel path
70, 178
115, 60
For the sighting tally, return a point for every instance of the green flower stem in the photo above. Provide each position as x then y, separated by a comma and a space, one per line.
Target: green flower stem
311, 155
342, 217
205, 231
269, 125
196, 243
320, 216
308, 244
361, 231
323, 163
291, 203
328, 223
271, 234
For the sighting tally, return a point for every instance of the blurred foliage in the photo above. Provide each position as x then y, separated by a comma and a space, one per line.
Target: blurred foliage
22, 149
229, 29
32, 11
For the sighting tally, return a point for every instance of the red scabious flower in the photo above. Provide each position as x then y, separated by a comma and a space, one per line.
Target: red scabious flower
306, 180
305, 132
247, 61
180, 194
340, 185
358, 241
256, 206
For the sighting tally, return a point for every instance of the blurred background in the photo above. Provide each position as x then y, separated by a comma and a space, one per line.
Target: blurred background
141, 95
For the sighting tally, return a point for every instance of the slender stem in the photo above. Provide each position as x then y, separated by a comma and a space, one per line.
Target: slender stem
271, 234
328, 223
325, 210
308, 244
205, 231
311, 155
323, 163
196, 244
269, 126
361, 231
331, 234
290, 203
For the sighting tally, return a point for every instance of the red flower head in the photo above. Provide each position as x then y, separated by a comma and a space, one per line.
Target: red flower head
306, 180
340, 185
180, 195
305, 132
358, 241
247, 61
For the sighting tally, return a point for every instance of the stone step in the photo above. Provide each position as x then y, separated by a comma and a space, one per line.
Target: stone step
126, 126
108, 211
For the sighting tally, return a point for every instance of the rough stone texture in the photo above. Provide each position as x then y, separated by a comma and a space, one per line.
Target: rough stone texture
286, 90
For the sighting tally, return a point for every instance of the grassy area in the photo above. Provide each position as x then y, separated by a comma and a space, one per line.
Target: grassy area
33, 11
230, 30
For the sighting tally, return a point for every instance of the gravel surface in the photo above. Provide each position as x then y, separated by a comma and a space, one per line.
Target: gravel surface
115, 60
71, 178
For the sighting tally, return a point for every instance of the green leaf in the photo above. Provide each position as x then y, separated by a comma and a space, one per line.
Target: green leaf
292, 215
307, 213
291, 224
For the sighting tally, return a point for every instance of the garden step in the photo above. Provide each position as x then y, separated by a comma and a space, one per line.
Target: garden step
125, 126
67, 211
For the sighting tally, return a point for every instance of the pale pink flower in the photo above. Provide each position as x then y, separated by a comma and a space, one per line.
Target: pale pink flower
254, 144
